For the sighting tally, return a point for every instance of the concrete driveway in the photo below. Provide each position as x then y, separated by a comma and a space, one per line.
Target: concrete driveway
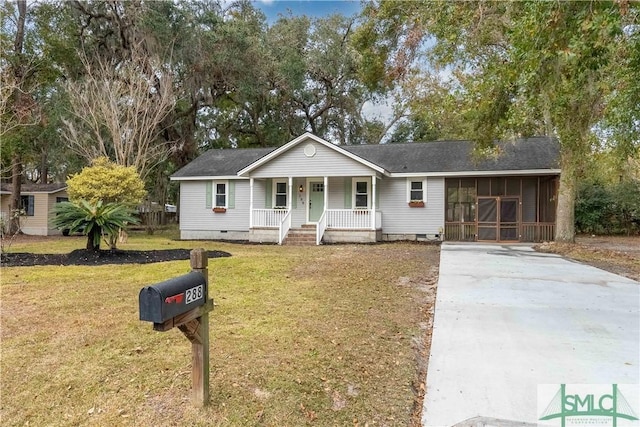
508, 318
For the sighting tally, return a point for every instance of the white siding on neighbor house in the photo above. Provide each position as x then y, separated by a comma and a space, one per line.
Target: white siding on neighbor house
399, 218
326, 162
195, 215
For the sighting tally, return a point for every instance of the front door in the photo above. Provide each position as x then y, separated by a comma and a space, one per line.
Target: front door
498, 219
316, 200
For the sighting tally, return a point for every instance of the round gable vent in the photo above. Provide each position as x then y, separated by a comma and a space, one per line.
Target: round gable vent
310, 150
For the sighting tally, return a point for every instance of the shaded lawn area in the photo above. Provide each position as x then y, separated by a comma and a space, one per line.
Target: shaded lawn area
328, 335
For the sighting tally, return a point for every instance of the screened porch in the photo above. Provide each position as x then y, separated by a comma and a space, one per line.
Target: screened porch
501, 209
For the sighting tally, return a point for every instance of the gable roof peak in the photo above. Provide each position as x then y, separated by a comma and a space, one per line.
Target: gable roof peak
305, 137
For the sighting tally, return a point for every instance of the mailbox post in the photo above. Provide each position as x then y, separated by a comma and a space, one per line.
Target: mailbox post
199, 340
183, 302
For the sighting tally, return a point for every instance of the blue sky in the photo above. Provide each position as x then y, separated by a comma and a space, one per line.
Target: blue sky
311, 8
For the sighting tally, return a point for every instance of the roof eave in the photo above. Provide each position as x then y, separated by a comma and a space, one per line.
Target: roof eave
510, 172
205, 177
37, 191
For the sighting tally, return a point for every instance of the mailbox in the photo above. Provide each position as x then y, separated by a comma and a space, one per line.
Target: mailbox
168, 299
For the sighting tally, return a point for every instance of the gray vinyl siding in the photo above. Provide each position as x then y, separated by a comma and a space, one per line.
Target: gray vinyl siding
298, 213
326, 162
399, 218
194, 214
259, 194
336, 193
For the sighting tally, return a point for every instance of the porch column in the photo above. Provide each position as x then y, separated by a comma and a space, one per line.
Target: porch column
326, 193
250, 203
373, 202
290, 193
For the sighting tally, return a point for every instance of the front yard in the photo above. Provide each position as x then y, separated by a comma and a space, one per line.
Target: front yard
330, 335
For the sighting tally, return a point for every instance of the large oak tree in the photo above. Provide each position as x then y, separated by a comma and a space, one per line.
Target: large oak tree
565, 68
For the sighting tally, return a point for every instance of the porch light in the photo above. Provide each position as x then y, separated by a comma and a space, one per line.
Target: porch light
301, 189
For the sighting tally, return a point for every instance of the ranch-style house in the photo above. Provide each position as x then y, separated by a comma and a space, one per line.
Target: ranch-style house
312, 190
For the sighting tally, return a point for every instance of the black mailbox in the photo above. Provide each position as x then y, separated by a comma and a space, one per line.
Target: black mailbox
165, 300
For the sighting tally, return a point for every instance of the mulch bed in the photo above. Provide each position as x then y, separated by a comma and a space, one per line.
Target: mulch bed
103, 257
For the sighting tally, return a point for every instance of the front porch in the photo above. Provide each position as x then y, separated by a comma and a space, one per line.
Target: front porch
341, 209
333, 226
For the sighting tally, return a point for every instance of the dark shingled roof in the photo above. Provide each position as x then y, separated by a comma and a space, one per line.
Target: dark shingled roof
428, 157
457, 156
222, 162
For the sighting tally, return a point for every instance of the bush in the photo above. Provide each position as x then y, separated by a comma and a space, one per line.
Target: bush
95, 220
608, 209
108, 182
626, 206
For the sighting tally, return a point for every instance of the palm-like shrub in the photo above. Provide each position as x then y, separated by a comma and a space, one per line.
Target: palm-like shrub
94, 220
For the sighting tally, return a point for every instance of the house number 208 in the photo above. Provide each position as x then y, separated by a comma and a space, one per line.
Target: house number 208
193, 294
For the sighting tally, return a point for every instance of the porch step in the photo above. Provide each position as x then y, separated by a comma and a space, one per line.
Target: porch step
305, 236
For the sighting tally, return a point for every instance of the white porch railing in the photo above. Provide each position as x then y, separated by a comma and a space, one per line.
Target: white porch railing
284, 227
353, 219
270, 218
321, 227
340, 219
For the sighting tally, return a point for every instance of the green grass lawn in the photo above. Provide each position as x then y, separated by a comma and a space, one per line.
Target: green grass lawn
299, 336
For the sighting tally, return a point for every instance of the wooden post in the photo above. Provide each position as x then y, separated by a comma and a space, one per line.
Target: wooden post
197, 331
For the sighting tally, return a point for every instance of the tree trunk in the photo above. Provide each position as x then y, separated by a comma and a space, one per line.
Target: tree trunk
567, 191
91, 237
16, 189
44, 168
565, 214
16, 161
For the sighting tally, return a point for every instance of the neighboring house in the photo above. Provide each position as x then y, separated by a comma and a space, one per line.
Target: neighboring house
37, 201
369, 193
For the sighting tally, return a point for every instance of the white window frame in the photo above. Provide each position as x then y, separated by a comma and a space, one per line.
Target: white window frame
274, 191
424, 189
354, 182
215, 194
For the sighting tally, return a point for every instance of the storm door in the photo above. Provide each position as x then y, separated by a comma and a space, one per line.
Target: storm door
509, 225
498, 219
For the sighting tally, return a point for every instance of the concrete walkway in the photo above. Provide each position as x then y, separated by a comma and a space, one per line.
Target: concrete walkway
508, 318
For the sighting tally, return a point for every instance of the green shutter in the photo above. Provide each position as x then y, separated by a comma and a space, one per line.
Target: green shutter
377, 193
209, 195
231, 197
267, 195
347, 193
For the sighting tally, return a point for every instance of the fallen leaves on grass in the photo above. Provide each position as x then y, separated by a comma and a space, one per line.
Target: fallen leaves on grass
325, 335
619, 261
